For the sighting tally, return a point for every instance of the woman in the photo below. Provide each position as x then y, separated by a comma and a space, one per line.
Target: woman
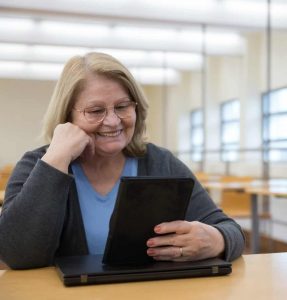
60, 197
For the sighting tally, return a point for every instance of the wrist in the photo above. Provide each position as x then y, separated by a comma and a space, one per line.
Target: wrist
57, 161
219, 245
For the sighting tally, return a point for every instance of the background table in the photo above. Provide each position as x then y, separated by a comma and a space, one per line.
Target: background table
259, 276
256, 188
256, 191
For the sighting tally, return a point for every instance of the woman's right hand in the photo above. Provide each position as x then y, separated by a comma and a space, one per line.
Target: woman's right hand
69, 142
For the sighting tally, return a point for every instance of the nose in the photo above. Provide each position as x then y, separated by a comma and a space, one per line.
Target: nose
111, 118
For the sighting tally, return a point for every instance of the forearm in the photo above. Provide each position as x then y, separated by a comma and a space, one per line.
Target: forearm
32, 218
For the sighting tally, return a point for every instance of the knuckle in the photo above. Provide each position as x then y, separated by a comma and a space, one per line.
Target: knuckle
174, 251
182, 226
172, 241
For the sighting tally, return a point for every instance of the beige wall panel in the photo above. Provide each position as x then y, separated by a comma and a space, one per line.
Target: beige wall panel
154, 122
22, 103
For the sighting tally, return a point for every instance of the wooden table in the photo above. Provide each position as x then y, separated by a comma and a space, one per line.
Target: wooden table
273, 187
260, 276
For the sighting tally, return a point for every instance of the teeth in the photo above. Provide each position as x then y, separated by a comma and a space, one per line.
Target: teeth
110, 134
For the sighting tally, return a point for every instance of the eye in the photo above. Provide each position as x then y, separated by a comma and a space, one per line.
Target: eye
122, 106
96, 110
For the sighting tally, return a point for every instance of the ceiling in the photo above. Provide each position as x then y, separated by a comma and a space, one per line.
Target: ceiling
159, 37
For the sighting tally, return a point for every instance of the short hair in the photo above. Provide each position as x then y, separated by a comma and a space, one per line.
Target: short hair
72, 82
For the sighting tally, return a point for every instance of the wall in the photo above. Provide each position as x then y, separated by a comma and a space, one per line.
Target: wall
22, 106
155, 119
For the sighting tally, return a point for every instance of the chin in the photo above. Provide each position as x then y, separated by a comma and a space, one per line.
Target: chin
110, 151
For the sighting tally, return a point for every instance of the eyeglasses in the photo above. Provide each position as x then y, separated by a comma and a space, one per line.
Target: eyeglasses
96, 114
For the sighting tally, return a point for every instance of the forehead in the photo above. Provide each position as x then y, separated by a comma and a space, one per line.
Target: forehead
99, 89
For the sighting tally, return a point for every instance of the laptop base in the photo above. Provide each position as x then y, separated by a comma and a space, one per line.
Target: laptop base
88, 269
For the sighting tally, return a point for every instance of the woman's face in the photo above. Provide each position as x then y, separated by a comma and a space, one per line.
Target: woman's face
112, 134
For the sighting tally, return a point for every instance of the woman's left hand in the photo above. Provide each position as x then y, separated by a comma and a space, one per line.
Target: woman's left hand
183, 241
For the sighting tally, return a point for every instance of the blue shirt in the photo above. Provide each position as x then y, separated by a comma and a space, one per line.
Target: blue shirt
97, 209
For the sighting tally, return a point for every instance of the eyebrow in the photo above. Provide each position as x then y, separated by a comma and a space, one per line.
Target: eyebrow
102, 103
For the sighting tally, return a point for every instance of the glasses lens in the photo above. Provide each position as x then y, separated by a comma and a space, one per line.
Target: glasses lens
95, 114
124, 109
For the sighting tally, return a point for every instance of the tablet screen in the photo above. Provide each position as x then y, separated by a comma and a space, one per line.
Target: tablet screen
142, 203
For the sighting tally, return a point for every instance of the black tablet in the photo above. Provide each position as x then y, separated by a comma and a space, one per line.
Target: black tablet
142, 203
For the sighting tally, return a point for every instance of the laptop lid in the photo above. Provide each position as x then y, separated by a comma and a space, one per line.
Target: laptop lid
89, 269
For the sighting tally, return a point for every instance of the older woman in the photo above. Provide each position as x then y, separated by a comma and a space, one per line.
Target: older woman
60, 198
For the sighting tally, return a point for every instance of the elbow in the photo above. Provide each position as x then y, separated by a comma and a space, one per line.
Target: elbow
20, 261
20, 264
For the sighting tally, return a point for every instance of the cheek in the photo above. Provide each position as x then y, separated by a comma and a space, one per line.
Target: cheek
88, 128
131, 123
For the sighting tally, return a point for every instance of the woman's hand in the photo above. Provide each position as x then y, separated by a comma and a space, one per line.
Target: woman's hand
69, 142
183, 241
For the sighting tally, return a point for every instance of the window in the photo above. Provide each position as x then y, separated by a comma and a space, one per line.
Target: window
196, 134
184, 139
230, 130
275, 125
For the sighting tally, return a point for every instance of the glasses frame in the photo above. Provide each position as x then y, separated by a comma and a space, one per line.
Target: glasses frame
107, 108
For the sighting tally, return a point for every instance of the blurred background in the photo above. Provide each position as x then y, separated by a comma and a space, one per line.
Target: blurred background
214, 72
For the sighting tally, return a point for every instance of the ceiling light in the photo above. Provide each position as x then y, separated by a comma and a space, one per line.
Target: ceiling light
45, 71
156, 76
57, 53
12, 50
223, 39
74, 29
130, 58
145, 33
11, 67
38, 53
88, 35
181, 4
22, 70
18, 24
159, 59
246, 7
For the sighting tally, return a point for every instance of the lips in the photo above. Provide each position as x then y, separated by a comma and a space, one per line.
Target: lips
110, 133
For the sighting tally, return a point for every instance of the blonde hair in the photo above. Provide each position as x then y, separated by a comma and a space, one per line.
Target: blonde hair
71, 83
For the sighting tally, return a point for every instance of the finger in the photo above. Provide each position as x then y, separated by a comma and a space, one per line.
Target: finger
179, 227
167, 240
176, 254
168, 252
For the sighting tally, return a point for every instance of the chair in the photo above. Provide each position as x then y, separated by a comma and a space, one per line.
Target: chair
234, 203
5, 173
3, 266
201, 176
237, 204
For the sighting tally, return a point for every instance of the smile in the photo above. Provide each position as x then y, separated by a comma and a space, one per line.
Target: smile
110, 133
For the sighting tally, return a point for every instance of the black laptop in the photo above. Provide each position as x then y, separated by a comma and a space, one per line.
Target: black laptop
89, 269
142, 203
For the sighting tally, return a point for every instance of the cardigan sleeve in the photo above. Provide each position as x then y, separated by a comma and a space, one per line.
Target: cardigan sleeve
33, 213
201, 208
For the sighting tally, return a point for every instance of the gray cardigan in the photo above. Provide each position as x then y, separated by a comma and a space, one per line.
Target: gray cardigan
41, 217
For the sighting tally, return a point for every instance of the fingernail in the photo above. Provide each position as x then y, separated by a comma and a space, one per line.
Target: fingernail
150, 252
157, 229
150, 243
